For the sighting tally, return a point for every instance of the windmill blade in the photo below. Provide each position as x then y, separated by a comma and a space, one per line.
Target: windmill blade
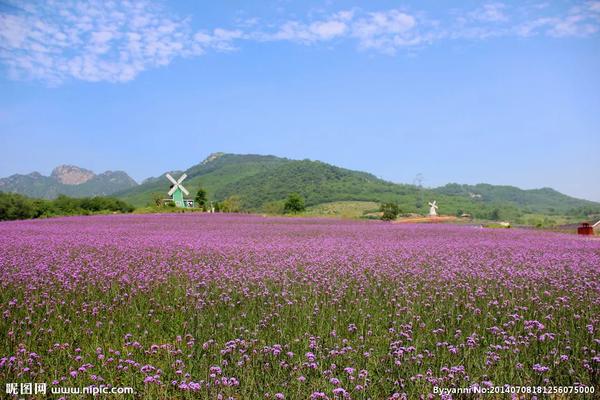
173, 189
181, 178
184, 190
169, 177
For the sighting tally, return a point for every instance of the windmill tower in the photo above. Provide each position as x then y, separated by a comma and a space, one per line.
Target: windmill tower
432, 209
177, 192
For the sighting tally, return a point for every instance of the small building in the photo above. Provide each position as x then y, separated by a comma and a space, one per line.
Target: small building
585, 229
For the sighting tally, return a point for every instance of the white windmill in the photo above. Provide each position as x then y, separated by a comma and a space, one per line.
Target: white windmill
432, 209
178, 190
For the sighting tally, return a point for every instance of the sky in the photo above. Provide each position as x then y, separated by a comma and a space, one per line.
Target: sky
457, 91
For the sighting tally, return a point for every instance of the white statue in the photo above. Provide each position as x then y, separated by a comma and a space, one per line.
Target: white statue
432, 209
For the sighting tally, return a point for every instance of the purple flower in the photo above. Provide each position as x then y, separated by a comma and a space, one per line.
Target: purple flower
540, 368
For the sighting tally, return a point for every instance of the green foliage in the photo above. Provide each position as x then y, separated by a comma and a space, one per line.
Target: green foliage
157, 200
544, 200
294, 204
232, 204
274, 207
14, 206
539, 221
495, 214
201, 199
587, 211
390, 211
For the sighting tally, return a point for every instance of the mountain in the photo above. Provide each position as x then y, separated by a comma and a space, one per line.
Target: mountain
544, 200
264, 181
215, 172
260, 180
71, 175
68, 180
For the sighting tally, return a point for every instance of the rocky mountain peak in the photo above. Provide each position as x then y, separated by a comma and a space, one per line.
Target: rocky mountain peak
212, 157
71, 174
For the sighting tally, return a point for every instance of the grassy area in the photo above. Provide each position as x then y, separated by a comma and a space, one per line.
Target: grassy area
343, 209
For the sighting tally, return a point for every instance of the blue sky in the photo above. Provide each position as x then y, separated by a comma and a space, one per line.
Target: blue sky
468, 92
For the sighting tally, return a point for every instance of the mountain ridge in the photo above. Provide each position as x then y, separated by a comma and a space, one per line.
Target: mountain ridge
263, 180
69, 180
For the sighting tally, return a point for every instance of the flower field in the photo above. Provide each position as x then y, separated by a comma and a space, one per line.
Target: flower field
246, 307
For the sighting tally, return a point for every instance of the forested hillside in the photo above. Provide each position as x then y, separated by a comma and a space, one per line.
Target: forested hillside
261, 180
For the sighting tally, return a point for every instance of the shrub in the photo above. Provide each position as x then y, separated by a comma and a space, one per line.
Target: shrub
15, 206
390, 211
201, 199
294, 204
274, 207
232, 204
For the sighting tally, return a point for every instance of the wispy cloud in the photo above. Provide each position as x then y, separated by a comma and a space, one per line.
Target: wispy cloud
98, 40
326, 28
91, 41
490, 12
580, 21
384, 31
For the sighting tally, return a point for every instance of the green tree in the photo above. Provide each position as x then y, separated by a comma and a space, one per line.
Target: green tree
390, 211
294, 204
15, 206
201, 199
273, 207
232, 204
495, 214
157, 199
419, 202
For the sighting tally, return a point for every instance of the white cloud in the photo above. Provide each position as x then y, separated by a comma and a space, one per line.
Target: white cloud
96, 40
594, 6
386, 31
580, 21
383, 31
328, 29
91, 41
111, 41
490, 12
320, 30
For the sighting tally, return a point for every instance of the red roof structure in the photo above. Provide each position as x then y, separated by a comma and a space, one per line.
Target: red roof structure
585, 229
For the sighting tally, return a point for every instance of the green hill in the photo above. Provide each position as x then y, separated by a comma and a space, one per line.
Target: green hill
217, 171
260, 180
545, 200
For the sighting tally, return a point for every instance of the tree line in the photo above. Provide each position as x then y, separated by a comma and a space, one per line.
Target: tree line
15, 206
